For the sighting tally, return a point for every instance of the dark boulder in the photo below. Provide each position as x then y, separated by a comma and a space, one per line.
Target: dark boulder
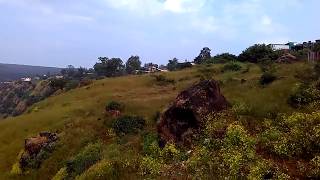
35, 147
186, 115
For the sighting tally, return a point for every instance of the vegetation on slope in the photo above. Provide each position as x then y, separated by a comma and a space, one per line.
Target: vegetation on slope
251, 146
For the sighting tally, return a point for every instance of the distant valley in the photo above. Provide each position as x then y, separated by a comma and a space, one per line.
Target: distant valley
11, 72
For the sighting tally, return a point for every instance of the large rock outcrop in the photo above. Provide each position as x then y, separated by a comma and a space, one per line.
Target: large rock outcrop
187, 113
36, 149
287, 58
17, 96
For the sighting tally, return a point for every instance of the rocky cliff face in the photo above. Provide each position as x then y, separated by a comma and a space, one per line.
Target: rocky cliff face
17, 96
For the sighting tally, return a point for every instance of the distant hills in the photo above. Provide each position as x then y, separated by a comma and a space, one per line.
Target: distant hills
10, 72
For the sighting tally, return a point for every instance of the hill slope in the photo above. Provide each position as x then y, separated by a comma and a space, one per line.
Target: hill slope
79, 117
10, 72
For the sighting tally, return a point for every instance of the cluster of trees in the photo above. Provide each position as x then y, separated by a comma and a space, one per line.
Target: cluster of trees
252, 54
112, 67
115, 66
174, 65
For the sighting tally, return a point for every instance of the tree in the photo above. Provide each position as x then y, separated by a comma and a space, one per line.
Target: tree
173, 64
316, 47
257, 52
109, 67
133, 64
223, 58
204, 55
73, 73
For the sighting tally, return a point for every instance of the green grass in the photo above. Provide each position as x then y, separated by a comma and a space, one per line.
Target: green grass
75, 114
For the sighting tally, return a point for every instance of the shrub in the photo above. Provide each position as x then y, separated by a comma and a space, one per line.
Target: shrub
305, 75
255, 53
270, 136
161, 80
114, 106
315, 164
238, 150
150, 166
303, 94
266, 64
16, 170
205, 73
85, 159
300, 54
170, 153
58, 83
298, 136
62, 174
261, 170
241, 108
215, 129
231, 66
102, 170
128, 124
200, 163
223, 58
150, 145
71, 84
267, 78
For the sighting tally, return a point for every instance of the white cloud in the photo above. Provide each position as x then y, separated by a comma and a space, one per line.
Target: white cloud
266, 20
46, 12
183, 6
153, 7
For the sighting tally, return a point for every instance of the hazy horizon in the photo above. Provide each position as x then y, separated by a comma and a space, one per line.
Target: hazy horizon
57, 33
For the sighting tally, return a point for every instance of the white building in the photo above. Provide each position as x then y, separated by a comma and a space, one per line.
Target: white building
277, 47
27, 79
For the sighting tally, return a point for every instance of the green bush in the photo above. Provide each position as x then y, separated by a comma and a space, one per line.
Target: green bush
205, 73
85, 159
170, 153
231, 66
256, 52
150, 145
315, 167
305, 75
267, 65
102, 170
201, 163
114, 106
71, 84
267, 78
58, 83
150, 166
128, 124
162, 80
303, 94
223, 58
238, 150
241, 108
62, 174
297, 136
261, 170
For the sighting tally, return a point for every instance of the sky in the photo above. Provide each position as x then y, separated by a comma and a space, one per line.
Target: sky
62, 32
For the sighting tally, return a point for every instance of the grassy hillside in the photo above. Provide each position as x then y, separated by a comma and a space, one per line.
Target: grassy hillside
79, 116
10, 72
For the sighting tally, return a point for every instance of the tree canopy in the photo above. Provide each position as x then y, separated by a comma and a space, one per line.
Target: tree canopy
204, 55
256, 52
109, 67
133, 64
